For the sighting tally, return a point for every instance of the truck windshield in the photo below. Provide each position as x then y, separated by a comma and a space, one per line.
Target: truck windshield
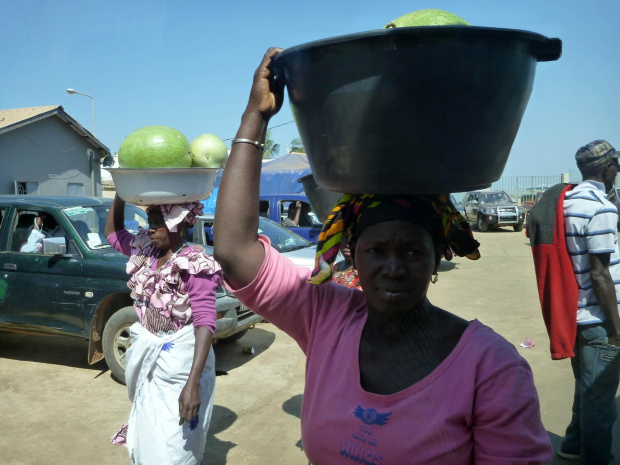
282, 239
89, 222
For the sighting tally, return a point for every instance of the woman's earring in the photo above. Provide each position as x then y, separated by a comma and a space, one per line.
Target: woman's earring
435, 278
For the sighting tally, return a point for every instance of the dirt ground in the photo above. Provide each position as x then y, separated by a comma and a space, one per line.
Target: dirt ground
58, 410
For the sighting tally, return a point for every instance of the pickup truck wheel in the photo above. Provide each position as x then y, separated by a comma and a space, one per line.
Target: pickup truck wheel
482, 226
116, 340
234, 337
518, 227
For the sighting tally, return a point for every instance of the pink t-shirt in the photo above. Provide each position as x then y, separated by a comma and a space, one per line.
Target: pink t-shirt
478, 406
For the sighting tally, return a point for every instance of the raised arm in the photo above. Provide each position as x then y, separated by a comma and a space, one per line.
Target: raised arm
116, 216
297, 213
236, 216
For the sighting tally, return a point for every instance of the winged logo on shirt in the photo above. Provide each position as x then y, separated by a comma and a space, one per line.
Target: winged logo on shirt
371, 417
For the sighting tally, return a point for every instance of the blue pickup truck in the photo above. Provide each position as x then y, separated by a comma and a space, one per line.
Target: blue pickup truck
275, 208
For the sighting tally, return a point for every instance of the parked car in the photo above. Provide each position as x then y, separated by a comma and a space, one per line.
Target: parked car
492, 208
291, 245
531, 201
275, 208
76, 285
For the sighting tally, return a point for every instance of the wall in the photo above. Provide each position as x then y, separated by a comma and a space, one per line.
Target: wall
517, 186
50, 153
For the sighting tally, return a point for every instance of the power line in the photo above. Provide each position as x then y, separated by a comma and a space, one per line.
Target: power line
272, 127
283, 124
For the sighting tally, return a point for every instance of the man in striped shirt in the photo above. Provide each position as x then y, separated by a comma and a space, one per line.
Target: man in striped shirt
592, 241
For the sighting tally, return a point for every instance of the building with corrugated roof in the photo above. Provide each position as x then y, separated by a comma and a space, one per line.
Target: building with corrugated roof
43, 150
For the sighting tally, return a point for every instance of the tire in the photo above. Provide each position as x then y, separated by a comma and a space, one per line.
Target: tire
235, 337
518, 227
482, 226
116, 340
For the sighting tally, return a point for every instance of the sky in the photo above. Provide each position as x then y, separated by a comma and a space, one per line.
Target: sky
189, 64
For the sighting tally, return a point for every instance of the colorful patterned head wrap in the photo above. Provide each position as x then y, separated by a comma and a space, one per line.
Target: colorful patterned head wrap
354, 213
177, 213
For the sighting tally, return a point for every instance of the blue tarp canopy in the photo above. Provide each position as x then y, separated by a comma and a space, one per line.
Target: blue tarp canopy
278, 176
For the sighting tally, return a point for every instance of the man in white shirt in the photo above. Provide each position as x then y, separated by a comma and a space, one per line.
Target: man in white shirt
592, 241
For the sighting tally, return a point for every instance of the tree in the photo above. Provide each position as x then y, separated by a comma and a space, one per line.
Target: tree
271, 149
297, 146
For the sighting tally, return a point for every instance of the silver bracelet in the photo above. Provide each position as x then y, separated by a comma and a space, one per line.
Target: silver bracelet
255, 143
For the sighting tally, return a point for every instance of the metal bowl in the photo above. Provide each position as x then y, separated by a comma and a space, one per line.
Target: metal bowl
156, 186
321, 200
412, 110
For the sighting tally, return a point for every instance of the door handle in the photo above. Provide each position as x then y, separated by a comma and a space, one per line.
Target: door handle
10, 266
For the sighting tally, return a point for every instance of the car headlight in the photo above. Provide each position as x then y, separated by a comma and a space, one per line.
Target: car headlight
489, 211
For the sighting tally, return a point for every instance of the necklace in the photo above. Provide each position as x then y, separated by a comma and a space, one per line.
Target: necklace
172, 257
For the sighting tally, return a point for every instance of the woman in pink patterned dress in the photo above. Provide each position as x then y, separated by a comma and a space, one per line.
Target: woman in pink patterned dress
170, 371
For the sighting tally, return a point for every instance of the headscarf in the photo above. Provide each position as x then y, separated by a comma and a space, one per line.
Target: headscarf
175, 214
354, 213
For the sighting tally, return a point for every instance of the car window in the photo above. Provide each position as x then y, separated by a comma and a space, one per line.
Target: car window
307, 217
38, 232
495, 197
21, 229
89, 222
502, 197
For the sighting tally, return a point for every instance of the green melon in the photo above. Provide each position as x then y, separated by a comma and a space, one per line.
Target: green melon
155, 147
428, 17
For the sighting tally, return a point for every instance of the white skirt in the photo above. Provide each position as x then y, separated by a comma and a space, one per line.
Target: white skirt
157, 370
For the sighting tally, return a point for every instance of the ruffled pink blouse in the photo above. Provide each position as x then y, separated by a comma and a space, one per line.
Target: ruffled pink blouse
169, 298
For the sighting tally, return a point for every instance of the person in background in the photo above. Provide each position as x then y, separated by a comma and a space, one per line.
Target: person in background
34, 244
592, 241
390, 378
292, 219
170, 371
343, 271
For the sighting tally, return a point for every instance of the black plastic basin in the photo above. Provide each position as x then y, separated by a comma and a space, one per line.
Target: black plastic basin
412, 110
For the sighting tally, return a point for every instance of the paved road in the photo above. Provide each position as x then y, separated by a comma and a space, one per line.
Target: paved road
58, 410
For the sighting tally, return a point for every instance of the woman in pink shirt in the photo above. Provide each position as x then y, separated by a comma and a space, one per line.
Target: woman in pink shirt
170, 372
390, 378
